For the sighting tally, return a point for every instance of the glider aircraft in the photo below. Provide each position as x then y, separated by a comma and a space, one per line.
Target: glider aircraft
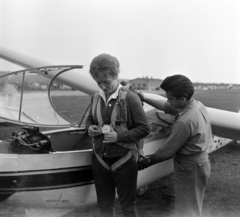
59, 174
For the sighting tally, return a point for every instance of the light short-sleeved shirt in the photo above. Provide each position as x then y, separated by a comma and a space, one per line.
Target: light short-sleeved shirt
191, 131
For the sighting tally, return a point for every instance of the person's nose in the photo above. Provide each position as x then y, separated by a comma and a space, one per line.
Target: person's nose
102, 86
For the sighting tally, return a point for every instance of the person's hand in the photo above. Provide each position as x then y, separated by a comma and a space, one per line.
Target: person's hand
110, 137
94, 131
143, 162
141, 95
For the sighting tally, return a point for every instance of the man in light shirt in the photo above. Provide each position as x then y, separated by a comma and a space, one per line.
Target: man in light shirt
188, 143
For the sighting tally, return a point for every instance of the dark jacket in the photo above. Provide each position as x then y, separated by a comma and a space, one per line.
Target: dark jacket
137, 124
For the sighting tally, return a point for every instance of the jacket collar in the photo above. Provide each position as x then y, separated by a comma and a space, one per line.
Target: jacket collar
113, 96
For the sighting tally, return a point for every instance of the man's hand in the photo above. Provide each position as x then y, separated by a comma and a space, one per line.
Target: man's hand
141, 95
94, 131
143, 162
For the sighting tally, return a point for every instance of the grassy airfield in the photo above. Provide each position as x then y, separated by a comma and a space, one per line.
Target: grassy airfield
223, 193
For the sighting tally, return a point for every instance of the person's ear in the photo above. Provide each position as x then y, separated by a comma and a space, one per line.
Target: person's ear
183, 99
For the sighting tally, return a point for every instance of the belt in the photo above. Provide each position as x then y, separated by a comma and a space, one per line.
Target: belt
192, 157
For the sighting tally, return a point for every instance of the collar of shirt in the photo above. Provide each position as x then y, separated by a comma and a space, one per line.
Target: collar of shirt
185, 109
113, 96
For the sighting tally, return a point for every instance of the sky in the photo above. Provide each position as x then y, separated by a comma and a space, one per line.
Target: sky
154, 38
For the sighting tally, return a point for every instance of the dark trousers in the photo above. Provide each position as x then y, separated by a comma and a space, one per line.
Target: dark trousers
123, 181
191, 176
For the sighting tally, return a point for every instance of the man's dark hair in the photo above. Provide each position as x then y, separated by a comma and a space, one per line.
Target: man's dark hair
179, 86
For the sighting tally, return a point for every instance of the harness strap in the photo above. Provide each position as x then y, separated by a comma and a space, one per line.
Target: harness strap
114, 116
99, 115
115, 165
121, 161
119, 113
122, 110
95, 102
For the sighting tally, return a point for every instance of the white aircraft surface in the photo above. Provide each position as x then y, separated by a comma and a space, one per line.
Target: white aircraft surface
61, 177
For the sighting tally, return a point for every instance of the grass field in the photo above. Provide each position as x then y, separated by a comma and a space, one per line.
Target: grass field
223, 193
221, 99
